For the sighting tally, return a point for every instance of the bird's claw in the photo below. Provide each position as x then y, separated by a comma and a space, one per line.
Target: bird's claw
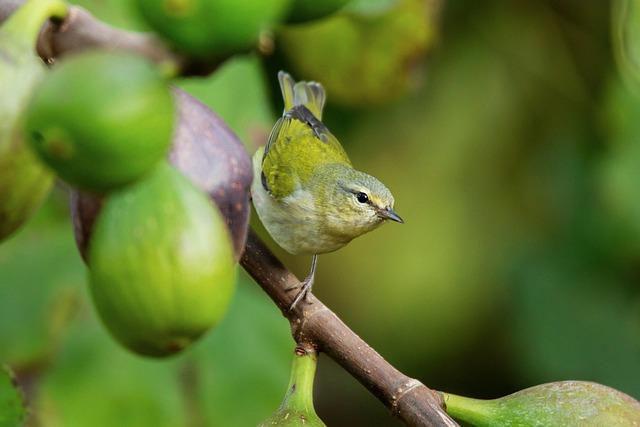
304, 293
307, 283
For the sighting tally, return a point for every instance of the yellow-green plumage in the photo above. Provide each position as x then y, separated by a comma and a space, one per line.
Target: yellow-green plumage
305, 190
295, 148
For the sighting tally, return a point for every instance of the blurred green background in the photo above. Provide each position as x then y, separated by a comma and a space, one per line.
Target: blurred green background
512, 145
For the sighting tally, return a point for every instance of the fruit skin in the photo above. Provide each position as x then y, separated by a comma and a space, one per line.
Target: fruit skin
212, 156
561, 404
309, 10
207, 152
161, 264
24, 182
101, 119
211, 28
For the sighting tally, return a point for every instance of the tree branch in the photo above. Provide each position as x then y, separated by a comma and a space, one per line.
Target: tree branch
80, 30
311, 324
408, 399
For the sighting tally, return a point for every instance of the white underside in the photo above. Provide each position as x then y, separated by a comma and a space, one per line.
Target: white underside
293, 222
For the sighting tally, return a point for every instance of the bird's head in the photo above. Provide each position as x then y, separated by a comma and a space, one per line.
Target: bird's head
354, 201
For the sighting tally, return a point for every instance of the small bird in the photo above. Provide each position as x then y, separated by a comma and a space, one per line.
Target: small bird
306, 192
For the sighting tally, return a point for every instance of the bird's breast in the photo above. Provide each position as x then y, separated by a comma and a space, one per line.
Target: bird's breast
294, 222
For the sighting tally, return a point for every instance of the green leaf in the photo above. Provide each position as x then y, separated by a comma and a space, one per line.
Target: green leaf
12, 410
41, 278
574, 322
243, 365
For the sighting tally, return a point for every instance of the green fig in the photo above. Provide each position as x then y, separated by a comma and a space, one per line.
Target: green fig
24, 183
161, 265
102, 119
362, 58
207, 152
297, 407
309, 10
211, 28
558, 404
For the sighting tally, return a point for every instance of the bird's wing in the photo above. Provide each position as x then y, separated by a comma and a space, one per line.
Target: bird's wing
298, 144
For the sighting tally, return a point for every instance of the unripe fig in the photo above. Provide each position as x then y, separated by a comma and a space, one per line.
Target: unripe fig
373, 57
24, 183
102, 119
206, 151
211, 28
309, 10
297, 408
558, 404
161, 264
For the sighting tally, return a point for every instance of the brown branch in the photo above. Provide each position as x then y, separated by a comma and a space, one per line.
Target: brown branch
80, 30
311, 324
315, 324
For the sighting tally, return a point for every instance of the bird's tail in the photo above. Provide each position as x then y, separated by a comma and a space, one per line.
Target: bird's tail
309, 94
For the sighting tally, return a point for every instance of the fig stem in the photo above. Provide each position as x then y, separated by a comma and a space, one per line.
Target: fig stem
478, 412
25, 23
300, 390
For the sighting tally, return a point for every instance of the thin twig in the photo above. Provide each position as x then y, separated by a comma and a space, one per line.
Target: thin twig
315, 324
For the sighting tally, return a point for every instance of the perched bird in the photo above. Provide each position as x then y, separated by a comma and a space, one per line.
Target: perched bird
305, 190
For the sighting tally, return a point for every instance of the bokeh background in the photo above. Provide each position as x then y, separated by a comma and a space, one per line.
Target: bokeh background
509, 134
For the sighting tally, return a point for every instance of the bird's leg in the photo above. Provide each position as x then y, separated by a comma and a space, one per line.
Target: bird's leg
307, 284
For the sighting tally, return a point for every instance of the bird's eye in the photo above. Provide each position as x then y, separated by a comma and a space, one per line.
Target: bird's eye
362, 197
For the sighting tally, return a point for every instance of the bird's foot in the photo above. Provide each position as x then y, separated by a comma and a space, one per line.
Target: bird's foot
305, 290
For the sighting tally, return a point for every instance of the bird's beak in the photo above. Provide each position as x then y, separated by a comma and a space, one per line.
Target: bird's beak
389, 213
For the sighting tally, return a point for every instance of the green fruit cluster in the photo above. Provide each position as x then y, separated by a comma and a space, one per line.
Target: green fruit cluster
161, 260
160, 257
